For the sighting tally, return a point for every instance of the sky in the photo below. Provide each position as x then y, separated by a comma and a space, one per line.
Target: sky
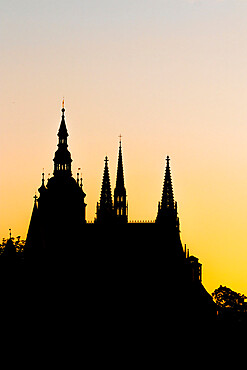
170, 76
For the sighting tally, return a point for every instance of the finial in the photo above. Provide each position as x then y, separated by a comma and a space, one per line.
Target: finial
167, 159
35, 198
120, 139
43, 177
106, 159
63, 109
10, 235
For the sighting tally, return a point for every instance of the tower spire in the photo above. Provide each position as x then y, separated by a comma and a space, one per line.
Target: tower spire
62, 132
167, 208
105, 197
120, 172
120, 207
62, 159
104, 207
167, 200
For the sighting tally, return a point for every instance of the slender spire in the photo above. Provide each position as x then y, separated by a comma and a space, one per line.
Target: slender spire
120, 171
120, 203
104, 207
105, 197
167, 200
167, 208
62, 132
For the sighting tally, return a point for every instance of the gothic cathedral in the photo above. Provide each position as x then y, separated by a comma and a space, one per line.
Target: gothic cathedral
111, 245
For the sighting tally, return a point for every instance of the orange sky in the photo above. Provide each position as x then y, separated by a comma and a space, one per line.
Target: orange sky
170, 76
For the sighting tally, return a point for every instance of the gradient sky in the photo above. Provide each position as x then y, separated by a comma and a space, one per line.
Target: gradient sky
169, 75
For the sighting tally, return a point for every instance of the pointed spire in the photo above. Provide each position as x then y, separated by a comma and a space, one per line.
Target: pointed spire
62, 132
120, 171
105, 197
104, 207
167, 208
34, 238
120, 203
167, 200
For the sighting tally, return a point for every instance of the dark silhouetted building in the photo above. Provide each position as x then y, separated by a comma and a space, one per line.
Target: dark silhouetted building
59, 212
145, 261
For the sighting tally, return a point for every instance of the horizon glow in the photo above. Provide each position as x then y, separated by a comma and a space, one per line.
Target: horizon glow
170, 76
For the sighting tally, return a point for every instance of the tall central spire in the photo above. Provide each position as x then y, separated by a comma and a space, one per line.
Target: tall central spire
120, 173
62, 159
120, 204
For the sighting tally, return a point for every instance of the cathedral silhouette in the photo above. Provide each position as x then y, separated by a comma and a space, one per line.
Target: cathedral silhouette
146, 259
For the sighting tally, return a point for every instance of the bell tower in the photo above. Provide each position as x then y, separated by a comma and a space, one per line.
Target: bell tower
62, 159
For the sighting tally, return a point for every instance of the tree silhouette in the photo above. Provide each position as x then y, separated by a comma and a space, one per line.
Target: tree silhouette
18, 243
226, 298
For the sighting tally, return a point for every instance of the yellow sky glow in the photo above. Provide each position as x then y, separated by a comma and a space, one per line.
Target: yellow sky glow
170, 76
